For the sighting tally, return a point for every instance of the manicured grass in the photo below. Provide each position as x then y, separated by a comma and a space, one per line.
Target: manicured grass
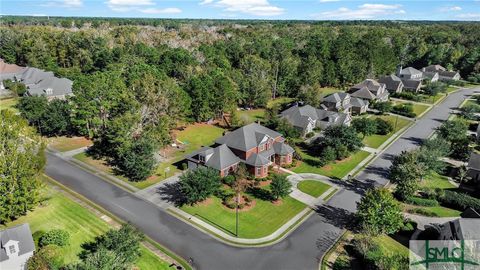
261, 220
198, 135
436, 181
437, 211
279, 101
337, 169
64, 143
375, 141
9, 104
60, 212
390, 245
313, 188
250, 116
329, 90
418, 109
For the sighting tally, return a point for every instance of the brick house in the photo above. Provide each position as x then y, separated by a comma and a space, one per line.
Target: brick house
255, 145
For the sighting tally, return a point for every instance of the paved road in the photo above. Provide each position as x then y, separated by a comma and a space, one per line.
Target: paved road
301, 250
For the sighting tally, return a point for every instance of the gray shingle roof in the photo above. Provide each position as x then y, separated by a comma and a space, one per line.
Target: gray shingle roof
410, 71
221, 156
59, 87
257, 160
391, 82
336, 97
247, 137
371, 85
363, 93
434, 68
474, 161
20, 233
282, 149
34, 75
412, 84
358, 102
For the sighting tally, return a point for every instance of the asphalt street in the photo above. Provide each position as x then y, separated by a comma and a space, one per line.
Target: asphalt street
302, 249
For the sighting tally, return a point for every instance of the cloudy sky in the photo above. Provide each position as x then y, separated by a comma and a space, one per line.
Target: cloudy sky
251, 9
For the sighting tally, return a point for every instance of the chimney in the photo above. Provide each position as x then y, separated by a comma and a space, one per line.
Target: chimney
399, 69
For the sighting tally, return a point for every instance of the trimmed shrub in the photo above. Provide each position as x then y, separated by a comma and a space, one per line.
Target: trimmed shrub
55, 237
459, 201
423, 212
421, 201
36, 236
310, 134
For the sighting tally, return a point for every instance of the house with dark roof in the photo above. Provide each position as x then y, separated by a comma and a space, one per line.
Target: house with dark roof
474, 167
16, 247
51, 87
458, 229
8, 72
31, 76
369, 90
343, 102
442, 73
411, 78
393, 84
306, 118
219, 157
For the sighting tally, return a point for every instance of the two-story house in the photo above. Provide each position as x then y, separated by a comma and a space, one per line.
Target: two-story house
16, 247
343, 102
306, 118
51, 87
411, 78
255, 145
370, 90
442, 73
393, 84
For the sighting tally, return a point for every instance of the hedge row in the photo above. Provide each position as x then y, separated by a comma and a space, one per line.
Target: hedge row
459, 201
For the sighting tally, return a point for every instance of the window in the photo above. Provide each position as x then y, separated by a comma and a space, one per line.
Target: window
265, 169
12, 249
261, 147
201, 158
259, 170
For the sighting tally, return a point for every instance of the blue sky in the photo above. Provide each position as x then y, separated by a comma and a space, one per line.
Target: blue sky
251, 9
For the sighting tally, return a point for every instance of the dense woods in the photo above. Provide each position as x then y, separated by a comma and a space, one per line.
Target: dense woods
138, 78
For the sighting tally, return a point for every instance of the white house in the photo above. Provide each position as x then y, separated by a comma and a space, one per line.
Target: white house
16, 247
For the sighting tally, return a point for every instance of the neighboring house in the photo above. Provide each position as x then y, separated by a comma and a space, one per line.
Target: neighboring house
458, 229
306, 118
258, 147
411, 78
220, 158
474, 167
393, 84
51, 87
8, 72
443, 73
369, 90
343, 102
31, 76
16, 247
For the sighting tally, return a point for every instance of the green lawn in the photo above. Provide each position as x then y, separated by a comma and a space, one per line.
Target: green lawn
193, 137
313, 188
279, 101
250, 116
261, 220
9, 103
436, 181
60, 212
337, 169
329, 90
390, 245
375, 141
418, 109
64, 143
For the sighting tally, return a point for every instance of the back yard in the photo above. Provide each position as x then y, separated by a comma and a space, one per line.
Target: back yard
418, 108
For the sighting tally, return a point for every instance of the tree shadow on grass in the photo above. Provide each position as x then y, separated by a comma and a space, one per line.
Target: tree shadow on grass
171, 193
260, 193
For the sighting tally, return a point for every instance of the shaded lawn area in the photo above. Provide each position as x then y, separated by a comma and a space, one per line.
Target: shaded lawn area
64, 144
194, 136
313, 188
9, 103
60, 212
250, 116
436, 180
336, 169
261, 220
375, 140
418, 109
279, 101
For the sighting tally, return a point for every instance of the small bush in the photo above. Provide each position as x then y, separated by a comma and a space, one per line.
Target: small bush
36, 236
55, 237
459, 201
423, 212
341, 263
229, 180
383, 127
421, 201
310, 134
404, 109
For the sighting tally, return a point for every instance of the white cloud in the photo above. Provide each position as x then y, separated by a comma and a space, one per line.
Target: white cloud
450, 8
252, 7
328, 1
363, 12
161, 10
63, 3
470, 16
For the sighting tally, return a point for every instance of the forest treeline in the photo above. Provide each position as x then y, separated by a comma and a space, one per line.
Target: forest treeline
137, 81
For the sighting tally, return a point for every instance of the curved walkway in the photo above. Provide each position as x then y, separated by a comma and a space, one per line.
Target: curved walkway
306, 198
